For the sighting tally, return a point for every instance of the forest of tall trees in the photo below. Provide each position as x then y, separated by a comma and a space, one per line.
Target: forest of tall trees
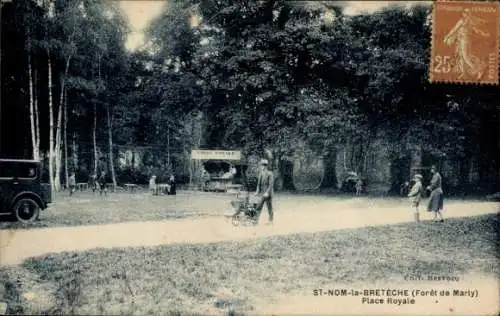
264, 76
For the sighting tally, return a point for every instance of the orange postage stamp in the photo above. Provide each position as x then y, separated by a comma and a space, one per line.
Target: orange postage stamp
465, 42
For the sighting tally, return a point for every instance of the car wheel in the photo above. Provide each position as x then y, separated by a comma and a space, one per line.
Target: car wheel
26, 210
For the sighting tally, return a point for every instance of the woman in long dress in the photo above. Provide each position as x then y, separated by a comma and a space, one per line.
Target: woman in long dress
436, 199
153, 187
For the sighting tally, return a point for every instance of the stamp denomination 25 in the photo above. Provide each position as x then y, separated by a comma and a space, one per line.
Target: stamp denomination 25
465, 42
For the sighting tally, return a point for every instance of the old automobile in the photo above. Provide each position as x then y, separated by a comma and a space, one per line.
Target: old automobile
22, 194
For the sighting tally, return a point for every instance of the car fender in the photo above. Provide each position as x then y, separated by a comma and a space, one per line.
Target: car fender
30, 195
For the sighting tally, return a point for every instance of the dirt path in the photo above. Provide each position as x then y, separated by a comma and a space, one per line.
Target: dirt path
315, 216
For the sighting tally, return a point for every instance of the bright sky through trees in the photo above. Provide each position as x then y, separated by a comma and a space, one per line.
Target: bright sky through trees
140, 13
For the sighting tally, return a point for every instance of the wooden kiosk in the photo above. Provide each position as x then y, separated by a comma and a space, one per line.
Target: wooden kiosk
221, 170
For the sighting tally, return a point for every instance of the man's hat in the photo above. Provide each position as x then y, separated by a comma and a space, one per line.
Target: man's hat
264, 162
418, 176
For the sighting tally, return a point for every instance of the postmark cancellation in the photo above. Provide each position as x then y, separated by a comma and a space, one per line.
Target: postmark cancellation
465, 42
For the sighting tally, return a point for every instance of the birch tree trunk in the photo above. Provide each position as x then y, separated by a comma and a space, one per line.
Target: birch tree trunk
75, 153
168, 145
65, 109
36, 113
94, 128
36, 155
58, 151
57, 175
110, 138
51, 125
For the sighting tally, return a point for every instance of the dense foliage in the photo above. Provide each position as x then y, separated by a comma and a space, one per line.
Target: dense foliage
264, 76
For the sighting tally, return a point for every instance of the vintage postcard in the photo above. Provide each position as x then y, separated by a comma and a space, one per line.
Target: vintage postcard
216, 157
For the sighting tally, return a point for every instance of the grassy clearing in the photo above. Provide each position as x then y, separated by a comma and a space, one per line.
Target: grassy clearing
233, 277
84, 208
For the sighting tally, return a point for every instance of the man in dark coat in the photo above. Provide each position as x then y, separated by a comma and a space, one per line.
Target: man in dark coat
173, 188
93, 182
102, 184
265, 190
436, 198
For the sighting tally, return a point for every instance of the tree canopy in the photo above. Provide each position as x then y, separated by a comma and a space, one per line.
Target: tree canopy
263, 75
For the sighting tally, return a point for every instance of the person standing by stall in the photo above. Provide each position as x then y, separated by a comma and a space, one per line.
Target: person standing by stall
72, 183
173, 189
205, 178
